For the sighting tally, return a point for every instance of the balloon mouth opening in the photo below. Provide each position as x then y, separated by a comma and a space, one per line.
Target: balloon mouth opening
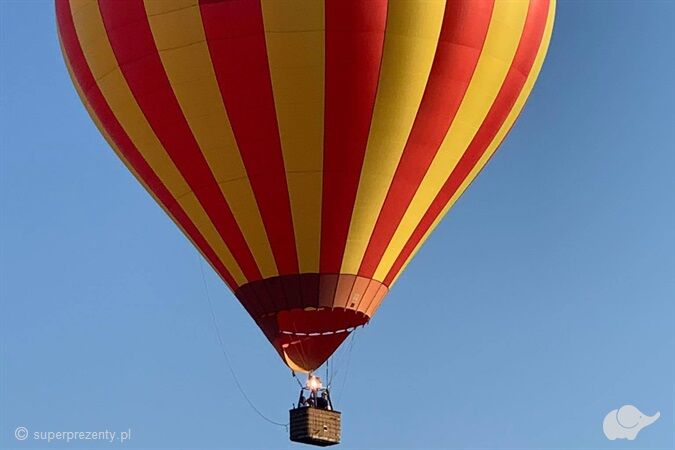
305, 339
307, 316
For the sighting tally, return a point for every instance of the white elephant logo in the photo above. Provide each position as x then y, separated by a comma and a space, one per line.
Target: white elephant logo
626, 422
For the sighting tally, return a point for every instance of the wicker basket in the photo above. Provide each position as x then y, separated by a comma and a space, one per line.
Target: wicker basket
315, 426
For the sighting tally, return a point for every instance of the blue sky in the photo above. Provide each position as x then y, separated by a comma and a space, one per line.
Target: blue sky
544, 300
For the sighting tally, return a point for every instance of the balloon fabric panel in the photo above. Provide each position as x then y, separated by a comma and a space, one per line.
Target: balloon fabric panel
307, 148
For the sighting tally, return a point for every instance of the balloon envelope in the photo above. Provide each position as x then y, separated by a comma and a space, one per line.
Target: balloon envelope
306, 147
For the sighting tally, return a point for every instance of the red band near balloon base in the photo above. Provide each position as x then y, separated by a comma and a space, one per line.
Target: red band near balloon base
307, 316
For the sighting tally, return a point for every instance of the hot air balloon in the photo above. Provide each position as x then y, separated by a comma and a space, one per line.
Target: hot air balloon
307, 148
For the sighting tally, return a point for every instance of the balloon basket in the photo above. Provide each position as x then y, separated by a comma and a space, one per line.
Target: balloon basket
315, 426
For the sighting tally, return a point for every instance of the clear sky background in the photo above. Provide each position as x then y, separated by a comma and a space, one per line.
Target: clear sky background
545, 299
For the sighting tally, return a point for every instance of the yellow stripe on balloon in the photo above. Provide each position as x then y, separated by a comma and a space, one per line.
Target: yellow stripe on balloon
104, 133
506, 27
106, 136
179, 35
501, 134
105, 69
410, 42
128, 165
295, 37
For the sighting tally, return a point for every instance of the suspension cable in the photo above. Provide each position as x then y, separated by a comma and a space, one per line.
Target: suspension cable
349, 359
225, 354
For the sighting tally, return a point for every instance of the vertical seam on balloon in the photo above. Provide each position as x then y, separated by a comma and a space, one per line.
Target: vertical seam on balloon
358, 305
377, 287
64, 18
452, 184
201, 180
375, 303
334, 289
349, 292
267, 297
273, 200
384, 229
284, 293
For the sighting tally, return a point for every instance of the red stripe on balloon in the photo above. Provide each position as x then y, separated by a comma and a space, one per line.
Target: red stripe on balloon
465, 25
236, 39
132, 42
100, 107
526, 53
353, 53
